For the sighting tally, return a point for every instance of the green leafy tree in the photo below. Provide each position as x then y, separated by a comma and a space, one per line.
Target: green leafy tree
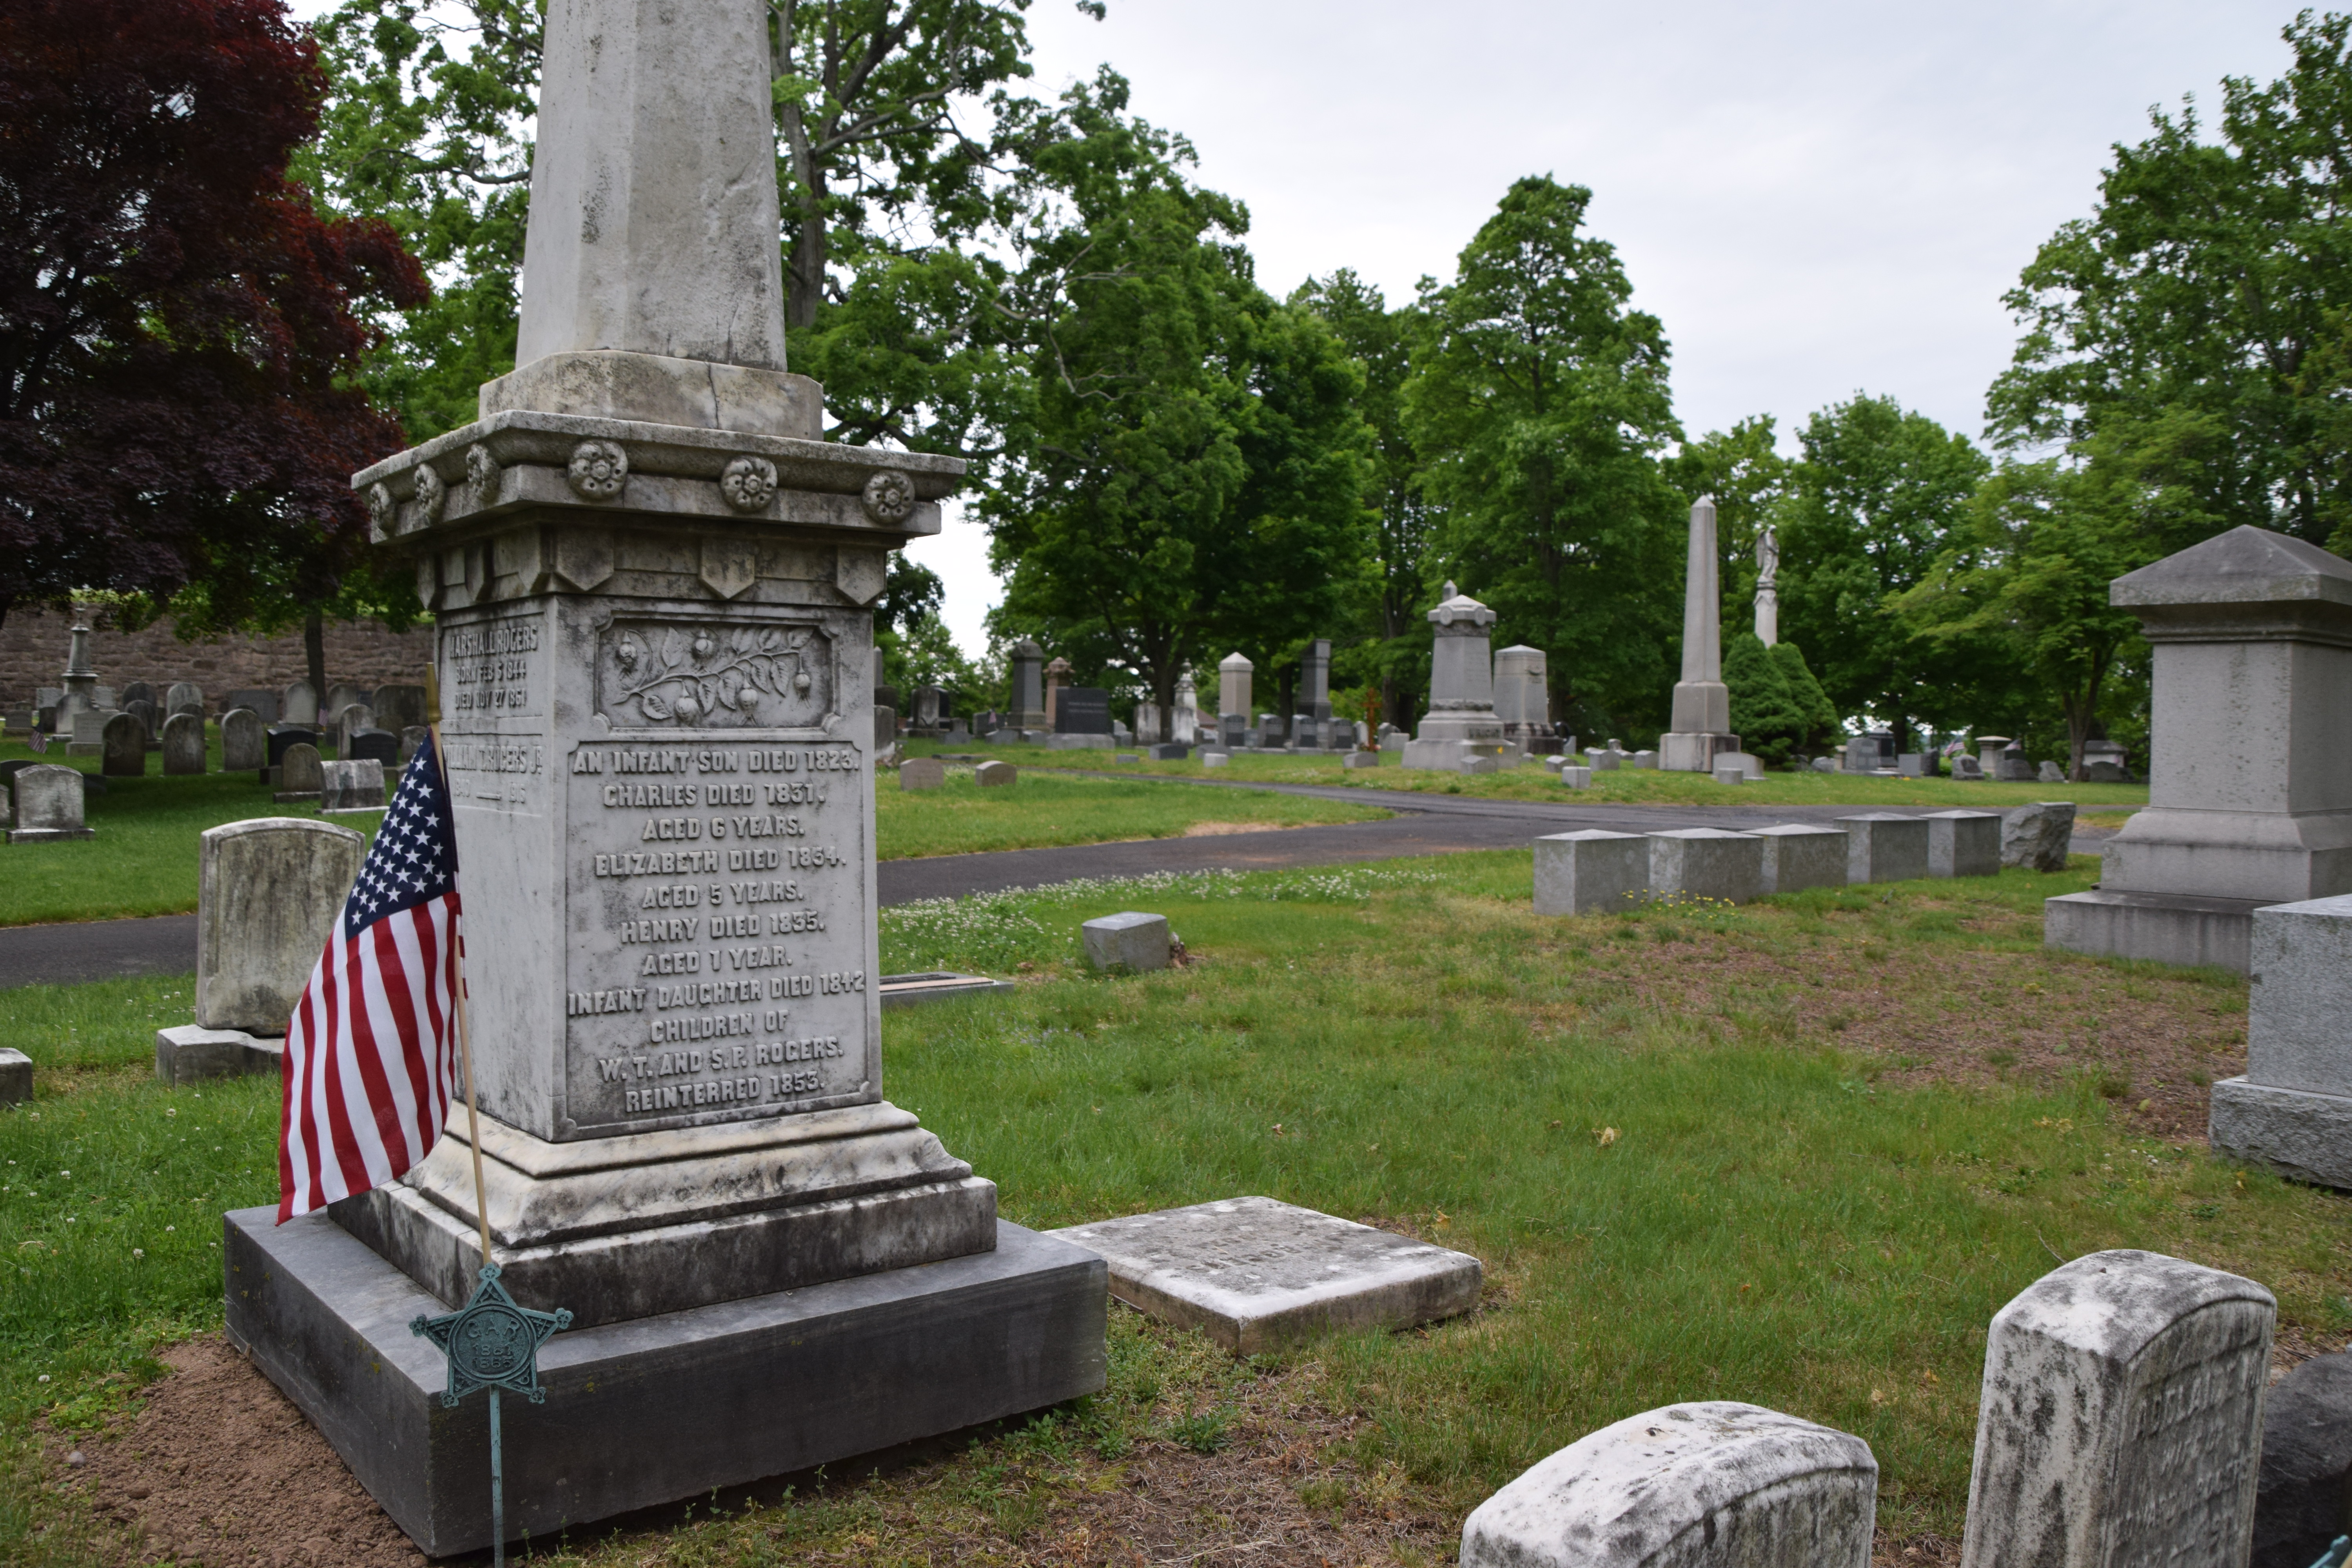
1878, 495
1770, 720
1380, 340
1191, 476
1821, 716
1541, 409
2202, 287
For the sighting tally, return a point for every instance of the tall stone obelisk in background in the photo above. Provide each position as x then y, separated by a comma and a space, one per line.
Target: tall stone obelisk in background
652, 585
1702, 712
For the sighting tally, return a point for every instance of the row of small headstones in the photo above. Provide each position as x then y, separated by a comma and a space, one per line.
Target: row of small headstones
298, 703
1595, 871
2122, 1423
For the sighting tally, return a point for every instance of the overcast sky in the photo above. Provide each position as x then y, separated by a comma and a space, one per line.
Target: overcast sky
1816, 196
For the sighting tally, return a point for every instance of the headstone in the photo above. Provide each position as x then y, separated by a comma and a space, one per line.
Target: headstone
1215, 759
1692, 863
48, 804
2103, 763
924, 719
1749, 763
286, 735
266, 892
1460, 726
1709, 1484
350, 720
1730, 773
89, 732
886, 727
300, 775
2050, 773
1966, 767
1174, 752
375, 745
1028, 686
1826, 765
138, 691
1604, 761
1882, 847
1991, 749
992, 773
78, 690
2291, 1109
264, 704
1133, 941
1643, 759
1590, 872
184, 744
1963, 843
1523, 695
398, 705
922, 773
2015, 768
350, 786
244, 744
16, 1076
1915, 765
1234, 673
125, 743
1082, 711
412, 740
184, 697
1271, 730
1361, 760
2039, 836
341, 695
2301, 1501
1057, 676
1257, 1275
1702, 705
1575, 777
1798, 855
1187, 729
1311, 726
300, 704
2121, 1416
151, 722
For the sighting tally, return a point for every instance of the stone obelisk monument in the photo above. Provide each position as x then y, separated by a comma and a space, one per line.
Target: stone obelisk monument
1702, 712
652, 584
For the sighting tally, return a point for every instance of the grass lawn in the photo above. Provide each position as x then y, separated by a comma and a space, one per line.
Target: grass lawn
1797, 1152
144, 860
1640, 787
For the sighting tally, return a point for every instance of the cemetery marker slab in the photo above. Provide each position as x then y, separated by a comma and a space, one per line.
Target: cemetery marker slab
1255, 1274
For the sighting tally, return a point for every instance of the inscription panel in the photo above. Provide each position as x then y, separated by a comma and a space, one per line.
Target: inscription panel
493, 673
716, 952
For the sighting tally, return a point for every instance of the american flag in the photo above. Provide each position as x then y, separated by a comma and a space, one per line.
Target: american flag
371, 1052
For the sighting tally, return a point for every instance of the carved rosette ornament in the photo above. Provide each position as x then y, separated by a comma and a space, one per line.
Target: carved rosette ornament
382, 509
890, 497
430, 493
599, 470
748, 484
482, 474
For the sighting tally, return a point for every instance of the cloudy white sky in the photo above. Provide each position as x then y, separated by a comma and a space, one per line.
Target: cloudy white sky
1816, 196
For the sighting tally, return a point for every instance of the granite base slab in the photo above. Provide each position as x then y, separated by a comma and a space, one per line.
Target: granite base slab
661, 1408
1255, 1274
191, 1054
2169, 927
936, 986
2302, 1135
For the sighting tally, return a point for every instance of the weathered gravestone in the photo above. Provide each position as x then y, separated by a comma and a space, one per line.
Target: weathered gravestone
138, 691
2302, 1503
1133, 941
151, 722
1706, 863
373, 746
353, 719
398, 705
652, 587
991, 775
412, 740
2291, 1109
1884, 846
184, 744
2038, 837
244, 744
341, 695
2121, 1419
2050, 773
284, 738
1081, 718
123, 743
16, 1076
268, 891
1710, 1484
922, 773
184, 697
265, 704
350, 786
1028, 687
1461, 726
1963, 843
299, 704
1798, 855
1590, 872
48, 804
1235, 673
300, 775
1257, 1275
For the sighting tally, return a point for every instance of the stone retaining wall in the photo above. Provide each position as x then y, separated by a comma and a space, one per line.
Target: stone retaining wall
363, 653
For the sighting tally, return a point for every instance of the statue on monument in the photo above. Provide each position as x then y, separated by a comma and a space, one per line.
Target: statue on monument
1767, 587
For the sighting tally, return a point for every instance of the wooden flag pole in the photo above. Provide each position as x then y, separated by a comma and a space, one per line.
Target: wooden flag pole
465, 1044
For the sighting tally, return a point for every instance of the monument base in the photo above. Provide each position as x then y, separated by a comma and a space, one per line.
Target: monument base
658, 1409
1695, 752
2169, 928
2304, 1136
1066, 742
49, 835
192, 1053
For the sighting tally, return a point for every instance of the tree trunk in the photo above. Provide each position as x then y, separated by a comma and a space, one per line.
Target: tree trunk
314, 654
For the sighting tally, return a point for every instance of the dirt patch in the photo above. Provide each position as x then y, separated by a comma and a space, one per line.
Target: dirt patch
217, 1467
1220, 829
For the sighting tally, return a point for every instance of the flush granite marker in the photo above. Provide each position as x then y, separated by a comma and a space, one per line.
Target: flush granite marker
652, 587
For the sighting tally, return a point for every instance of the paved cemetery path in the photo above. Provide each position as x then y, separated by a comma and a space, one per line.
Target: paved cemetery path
1426, 825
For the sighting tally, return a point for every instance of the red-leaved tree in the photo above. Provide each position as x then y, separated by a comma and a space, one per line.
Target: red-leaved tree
178, 324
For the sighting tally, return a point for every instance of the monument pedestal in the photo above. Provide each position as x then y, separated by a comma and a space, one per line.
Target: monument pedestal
655, 1409
1694, 753
1461, 732
2169, 928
